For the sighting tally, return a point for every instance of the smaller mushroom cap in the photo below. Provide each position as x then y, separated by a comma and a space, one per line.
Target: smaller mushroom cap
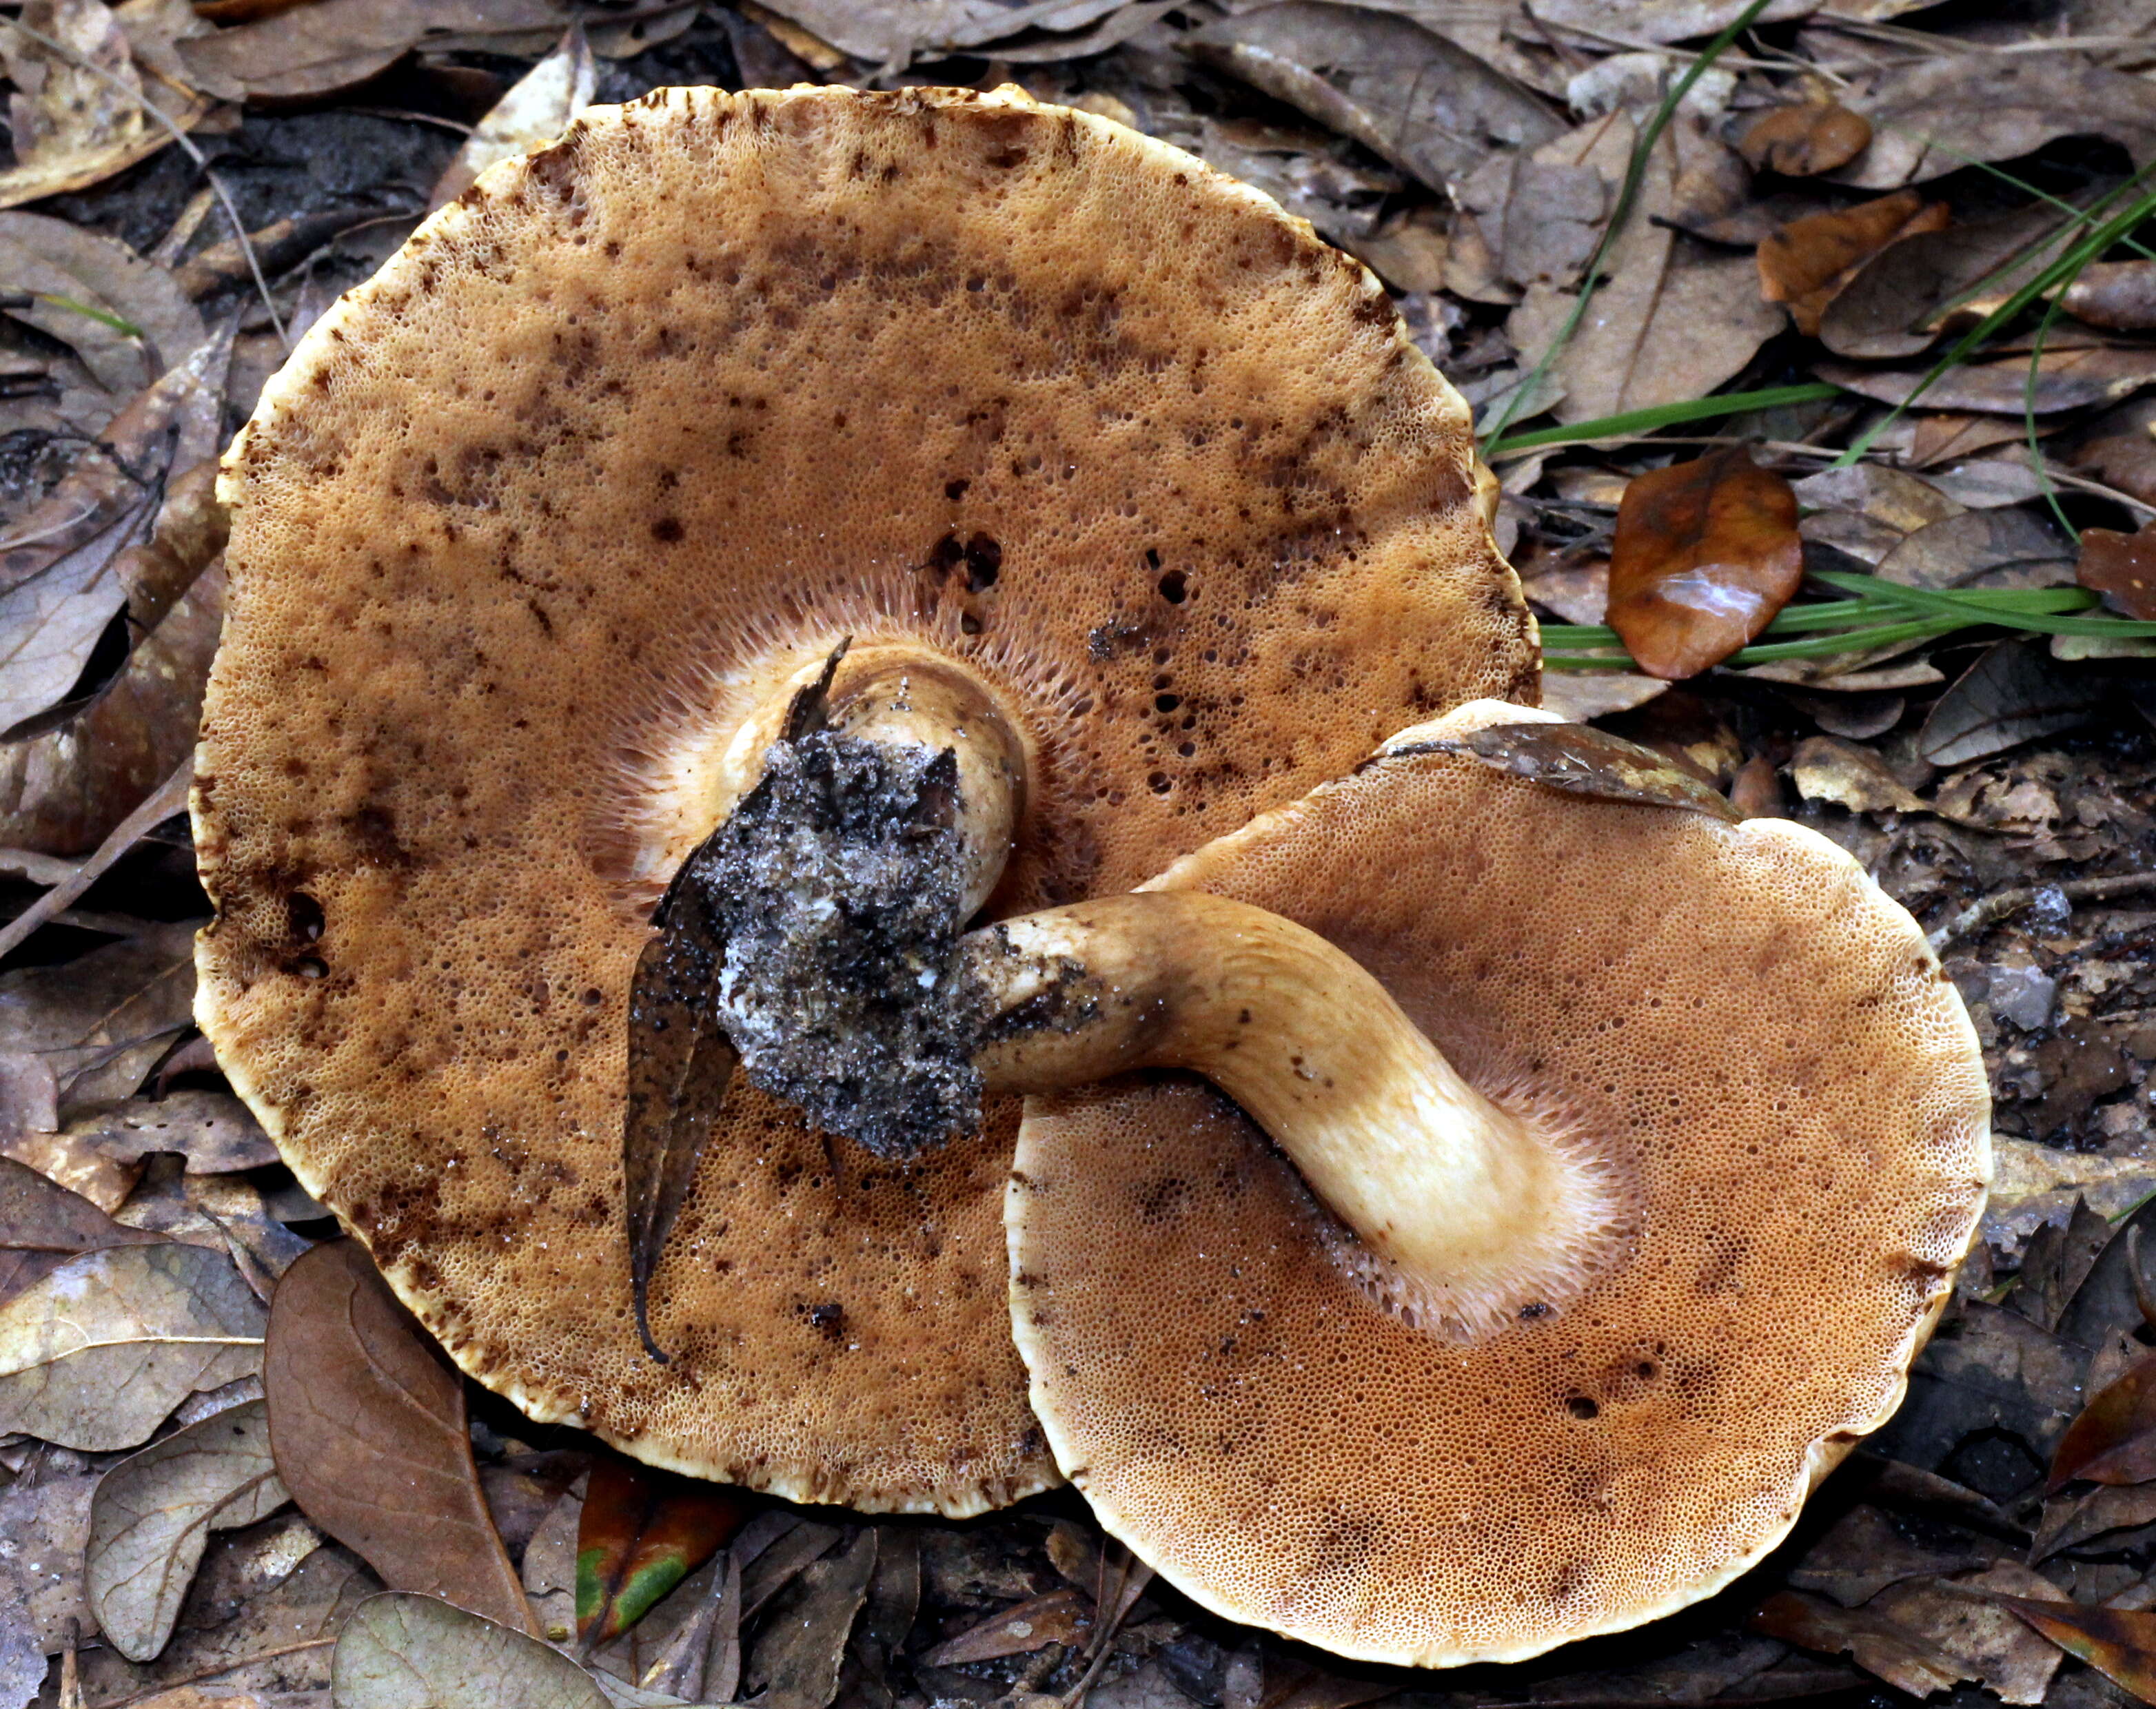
1754, 1037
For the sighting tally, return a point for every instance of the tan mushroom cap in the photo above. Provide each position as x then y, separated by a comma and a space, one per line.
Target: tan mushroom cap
632, 433
1734, 1014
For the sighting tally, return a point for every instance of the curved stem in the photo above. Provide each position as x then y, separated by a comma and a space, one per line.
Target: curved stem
1468, 1209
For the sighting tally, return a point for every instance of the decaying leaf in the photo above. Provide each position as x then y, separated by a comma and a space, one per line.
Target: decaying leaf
1856, 777
61, 587
2119, 1644
44, 1529
1993, 548
2117, 294
2113, 1440
797, 1658
1673, 318
97, 1025
1898, 301
1804, 139
1581, 759
79, 282
332, 44
402, 1650
2013, 693
2064, 379
43, 1225
641, 1532
215, 1131
152, 1515
1404, 92
1938, 112
76, 126
1900, 1656
537, 109
2122, 567
367, 1421
1808, 261
95, 1354
1705, 554
1059, 1617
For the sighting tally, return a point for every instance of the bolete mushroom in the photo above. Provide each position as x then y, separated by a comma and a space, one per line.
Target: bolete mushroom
1128, 494
1460, 1365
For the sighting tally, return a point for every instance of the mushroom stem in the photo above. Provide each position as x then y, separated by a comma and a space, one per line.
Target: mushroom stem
1463, 1211
915, 701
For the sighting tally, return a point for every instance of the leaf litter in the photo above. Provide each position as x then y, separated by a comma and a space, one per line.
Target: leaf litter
1999, 780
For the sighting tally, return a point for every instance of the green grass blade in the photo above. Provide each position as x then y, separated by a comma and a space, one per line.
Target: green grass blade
1635, 173
1633, 422
127, 328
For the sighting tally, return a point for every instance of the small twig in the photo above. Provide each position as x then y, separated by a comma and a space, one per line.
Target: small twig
187, 143
169, 797
211, 1673
1108, 1612
1993, 908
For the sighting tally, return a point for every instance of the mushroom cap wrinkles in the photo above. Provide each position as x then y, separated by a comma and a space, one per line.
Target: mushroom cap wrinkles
619, 443
1740, 1022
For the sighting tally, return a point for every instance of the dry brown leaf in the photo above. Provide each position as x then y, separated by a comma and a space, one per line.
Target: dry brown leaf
1939, 113
1987, 548
1899, 300
537, 109
100, 1022
1660, 20
67, 270
62, 586
73, 127
43, 1225
2009, 1660
332, 44
2065, 379
213, 1132
2119, 1644
1808, 261
1804, 139
97, 1353
2117, 294
368, 1423
45, 1519
1824, 769
405, 1651
1059, 1617
797, 1657
65, 788
153, 1512
2122, 567
1705, 554
2013, 693
1581, 759
1903, 1658
1674, 317
1406, 93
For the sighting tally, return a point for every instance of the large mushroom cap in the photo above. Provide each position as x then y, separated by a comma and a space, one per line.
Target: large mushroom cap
1753, 1036
619, 443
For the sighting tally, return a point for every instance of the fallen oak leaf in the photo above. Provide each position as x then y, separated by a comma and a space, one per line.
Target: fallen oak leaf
368, 1424
2065, 379
2113, 1438
640, 1533
96, 1354
797, 1655
404, 1650
1879, 1646
77, 112
151, 1516
1704, 555
537, 109
1804, 139
43, 1225
2122, 567
1807, 262
2119, 1644
60, 588
1580, 760
2013, 693
2119, 295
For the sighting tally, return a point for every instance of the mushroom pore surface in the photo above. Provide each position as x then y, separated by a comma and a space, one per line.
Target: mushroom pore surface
536, 525
1741, 1028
